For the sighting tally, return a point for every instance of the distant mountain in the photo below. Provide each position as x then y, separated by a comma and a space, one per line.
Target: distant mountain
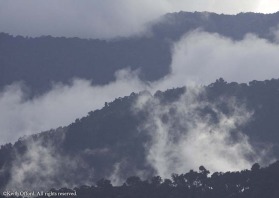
38, 62
115, 142
175, 25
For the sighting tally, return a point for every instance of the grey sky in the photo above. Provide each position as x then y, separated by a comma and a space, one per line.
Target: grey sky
106, 18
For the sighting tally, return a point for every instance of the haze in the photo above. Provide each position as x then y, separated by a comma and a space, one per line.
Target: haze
106, 18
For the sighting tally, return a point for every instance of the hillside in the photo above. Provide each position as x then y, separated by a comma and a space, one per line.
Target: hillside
136, 134
41, 61
175, 25
255, 183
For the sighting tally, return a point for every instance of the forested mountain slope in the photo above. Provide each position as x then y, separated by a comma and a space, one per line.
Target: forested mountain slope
38, 62
255, 183
174, 25
126, 137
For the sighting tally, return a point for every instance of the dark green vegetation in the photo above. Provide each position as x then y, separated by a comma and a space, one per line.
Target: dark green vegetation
38, 62
255, 183
111, 135
113, 138
174, 25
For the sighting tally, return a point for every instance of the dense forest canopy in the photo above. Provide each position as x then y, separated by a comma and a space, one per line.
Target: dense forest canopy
255, 183
41, 61
146, 144
118, 141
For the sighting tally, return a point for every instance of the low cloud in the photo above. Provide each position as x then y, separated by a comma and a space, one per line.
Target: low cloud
41, 167
203, 57
70, 18
199, 58
183, 137
105, 18
60, 106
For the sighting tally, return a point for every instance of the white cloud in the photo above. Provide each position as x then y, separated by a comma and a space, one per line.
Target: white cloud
269, 6
42, 168
106, 18
199, 58
202, 58
86, 18
218, 6
183, 139
60, 106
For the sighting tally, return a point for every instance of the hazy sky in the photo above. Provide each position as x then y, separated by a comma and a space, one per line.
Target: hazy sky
106, 18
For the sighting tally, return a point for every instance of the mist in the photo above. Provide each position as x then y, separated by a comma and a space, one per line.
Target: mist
198, 58
182, 138
60, 106
106, 19
40, 166
201, 58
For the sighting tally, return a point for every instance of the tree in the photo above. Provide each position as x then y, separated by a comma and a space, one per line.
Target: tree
104, 183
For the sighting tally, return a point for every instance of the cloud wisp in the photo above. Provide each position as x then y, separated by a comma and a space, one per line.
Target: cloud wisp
41, 167
60, 106
199, 58
183, 136
202, 58
86, 19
